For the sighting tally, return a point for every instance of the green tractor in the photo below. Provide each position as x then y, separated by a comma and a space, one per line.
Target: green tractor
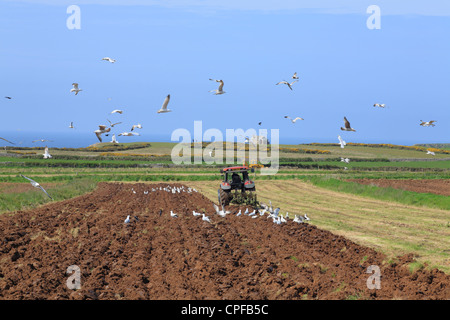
236, 186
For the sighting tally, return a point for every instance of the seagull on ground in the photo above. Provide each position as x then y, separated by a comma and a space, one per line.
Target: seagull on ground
347, 126
239, 213
7, 140
306, 217
114, 140
427, 123
298, 219
294, 120
127, 220
342, 142
164, 105
346, 160
101, 129
36, 185
196, 214
222, 212
109, 59
205, 218
75, 88
46, 154
220, 89
287, 83
172, 214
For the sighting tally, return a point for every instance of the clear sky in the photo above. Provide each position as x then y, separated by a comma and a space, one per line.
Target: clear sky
174, 47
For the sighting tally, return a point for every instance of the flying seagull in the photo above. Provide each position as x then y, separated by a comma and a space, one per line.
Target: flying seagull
347, 126
109, 59
164, 105
427, 123
8, 97
129, 134
287, 83
46, 154
346, 160
75, 88
259, 123
41, 140
220, 89
342, 142
71, 126
381, 105
101, 129
7, 140
431, 152
139, 126
294, 120
295, 76
117, 111
36, 185
113, 124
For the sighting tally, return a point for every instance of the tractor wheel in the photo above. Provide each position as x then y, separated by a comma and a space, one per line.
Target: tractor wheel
224, 197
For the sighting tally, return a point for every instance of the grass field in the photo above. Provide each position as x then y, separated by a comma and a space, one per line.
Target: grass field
391, 220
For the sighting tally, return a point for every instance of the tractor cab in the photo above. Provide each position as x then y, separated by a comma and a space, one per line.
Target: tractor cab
237, 179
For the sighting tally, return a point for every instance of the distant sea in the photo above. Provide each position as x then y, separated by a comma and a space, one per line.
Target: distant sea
84, 139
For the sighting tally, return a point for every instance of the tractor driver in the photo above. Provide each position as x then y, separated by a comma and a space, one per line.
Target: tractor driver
235, 178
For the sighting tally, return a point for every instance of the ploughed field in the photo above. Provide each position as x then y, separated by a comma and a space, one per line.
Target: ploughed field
157, 256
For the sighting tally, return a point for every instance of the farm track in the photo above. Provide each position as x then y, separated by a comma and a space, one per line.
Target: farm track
159, 257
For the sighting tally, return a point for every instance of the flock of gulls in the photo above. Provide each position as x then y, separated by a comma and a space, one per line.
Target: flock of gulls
105, 130
263, 210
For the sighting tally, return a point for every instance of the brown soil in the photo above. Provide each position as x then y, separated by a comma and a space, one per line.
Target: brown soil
160, 257
436, 186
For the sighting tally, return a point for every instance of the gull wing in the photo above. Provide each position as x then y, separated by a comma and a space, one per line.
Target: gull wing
347, 123
166, 102
31, 180
99, 135
220, 85
7, 140
45, 192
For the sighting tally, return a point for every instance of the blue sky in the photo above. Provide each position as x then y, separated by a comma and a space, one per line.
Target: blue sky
174, 47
